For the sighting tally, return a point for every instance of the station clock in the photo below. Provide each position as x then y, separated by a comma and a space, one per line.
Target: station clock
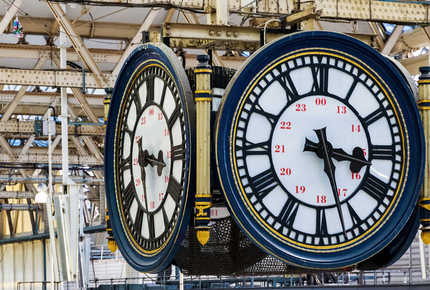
149, 159
320, 150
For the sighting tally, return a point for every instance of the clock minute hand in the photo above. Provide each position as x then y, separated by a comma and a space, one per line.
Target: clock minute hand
357, 158
324, 151
142, 155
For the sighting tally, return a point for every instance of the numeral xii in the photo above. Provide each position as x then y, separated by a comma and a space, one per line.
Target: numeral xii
320, 77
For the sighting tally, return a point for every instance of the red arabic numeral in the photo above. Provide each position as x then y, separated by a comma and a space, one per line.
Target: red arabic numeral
279, 148
301, 107
321, 199
340, 191
341, 109
286, 171
355, 176
321, 101
356, 128
285, 125
300, 189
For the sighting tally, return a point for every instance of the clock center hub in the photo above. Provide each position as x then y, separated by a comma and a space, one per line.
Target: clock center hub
300, 171
151, 154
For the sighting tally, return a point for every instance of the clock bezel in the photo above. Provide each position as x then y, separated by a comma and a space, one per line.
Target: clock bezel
392, 81
150, 54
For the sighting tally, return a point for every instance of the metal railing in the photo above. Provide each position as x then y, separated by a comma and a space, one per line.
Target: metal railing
38, 285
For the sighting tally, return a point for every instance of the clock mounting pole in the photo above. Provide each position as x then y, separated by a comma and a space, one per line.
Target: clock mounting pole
424, 200
424, 106
203, 97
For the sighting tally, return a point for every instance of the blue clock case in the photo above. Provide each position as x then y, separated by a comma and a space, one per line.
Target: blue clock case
140, 260
318, 40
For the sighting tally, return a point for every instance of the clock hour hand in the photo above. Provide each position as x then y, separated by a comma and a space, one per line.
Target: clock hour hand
145, 159
325, 151
357, 158
157, 162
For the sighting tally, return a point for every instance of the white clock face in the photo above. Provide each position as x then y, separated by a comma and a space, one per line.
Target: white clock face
152, 149
300, 172
318, 151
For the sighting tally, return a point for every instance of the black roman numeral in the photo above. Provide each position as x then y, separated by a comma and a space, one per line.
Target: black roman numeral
128, 196
351, 89
165, 218
289, 212
163, 94
255, 148
264, 182
320, 76
125, 164
356, 220
151, 225
321, 226
178, 152
128, 131
135, 97
174, 189
375, 187
374, 116
270, 117
175, 115
384, 152
288, 85
150, 89
138, 222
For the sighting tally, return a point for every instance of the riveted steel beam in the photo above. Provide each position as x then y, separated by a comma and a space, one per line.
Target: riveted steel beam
27, 128
45, 51
144, 3
214, 37
31, 158
12, 105
46, 98
191, 18
51, 78
105, 30
57, 179
399, 12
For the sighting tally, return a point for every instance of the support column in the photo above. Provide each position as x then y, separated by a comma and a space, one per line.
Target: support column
203, 97
64, 116
102, 206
